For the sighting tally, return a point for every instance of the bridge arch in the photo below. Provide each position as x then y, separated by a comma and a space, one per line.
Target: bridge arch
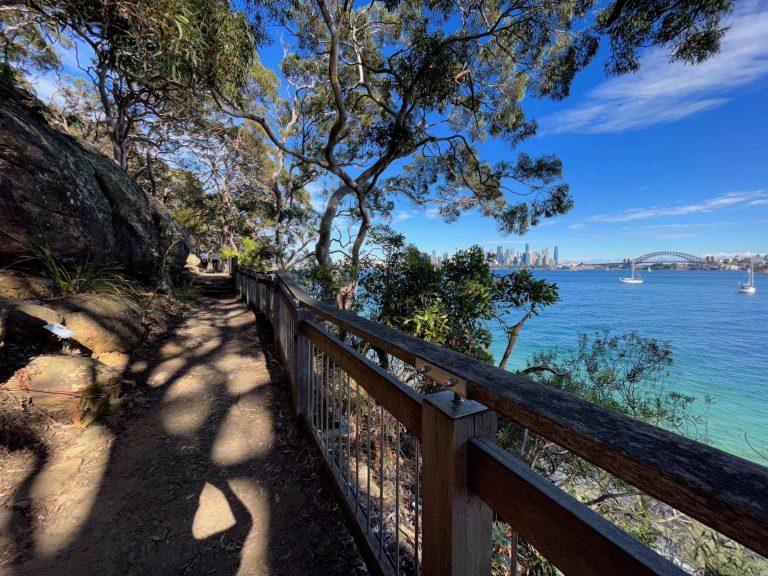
667, 257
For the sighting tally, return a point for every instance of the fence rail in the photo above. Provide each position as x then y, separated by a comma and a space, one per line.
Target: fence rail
419, 477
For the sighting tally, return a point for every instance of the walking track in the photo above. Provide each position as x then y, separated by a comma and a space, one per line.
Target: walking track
208, 473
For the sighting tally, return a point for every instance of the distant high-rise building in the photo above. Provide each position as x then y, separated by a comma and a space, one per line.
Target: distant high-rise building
434, 256
499, 255
556, 256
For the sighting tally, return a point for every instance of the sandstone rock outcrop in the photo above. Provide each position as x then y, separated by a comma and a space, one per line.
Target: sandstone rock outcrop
60, 382
57, 192
109, 326
24, 321
23, 286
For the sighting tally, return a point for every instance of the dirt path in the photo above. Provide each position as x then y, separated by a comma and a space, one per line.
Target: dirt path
207, 474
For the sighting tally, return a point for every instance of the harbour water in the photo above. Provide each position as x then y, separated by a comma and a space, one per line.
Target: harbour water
718, 336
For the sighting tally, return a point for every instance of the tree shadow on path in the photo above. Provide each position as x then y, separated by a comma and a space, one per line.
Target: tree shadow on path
208, 473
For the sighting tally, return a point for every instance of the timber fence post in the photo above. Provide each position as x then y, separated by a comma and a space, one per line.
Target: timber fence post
456, 523
234, 272
276, 301
302, 363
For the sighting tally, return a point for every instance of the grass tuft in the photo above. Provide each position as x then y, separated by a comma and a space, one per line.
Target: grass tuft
82, 278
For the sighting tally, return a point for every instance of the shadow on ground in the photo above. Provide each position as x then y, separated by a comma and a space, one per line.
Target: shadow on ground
208, 473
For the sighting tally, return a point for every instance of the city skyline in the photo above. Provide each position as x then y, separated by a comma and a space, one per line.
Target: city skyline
555, 255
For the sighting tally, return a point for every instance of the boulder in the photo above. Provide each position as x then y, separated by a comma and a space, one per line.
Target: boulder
56, 191
19, 286
24, 321
173, 240
56, 381
110, 326
193, 262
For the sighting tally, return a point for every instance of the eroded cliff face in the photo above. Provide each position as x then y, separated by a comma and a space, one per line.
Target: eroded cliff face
57, 192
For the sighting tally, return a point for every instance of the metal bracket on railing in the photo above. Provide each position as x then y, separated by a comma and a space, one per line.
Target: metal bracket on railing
442, 378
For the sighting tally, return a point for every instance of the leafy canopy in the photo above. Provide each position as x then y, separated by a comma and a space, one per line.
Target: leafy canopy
420, 85
452, 305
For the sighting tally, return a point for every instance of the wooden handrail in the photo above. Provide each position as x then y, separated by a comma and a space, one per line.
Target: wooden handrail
725, 492
402, 401
572, 536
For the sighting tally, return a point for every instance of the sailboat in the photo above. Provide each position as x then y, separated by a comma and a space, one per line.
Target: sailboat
748, 287
634, 279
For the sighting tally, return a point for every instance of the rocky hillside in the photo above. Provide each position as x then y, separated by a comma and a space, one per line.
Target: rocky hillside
55, 191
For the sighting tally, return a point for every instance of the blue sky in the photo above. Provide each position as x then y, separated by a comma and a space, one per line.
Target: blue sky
671, 158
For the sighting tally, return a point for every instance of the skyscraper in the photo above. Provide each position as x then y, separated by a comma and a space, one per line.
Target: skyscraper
499, 255
434, 256
556, 256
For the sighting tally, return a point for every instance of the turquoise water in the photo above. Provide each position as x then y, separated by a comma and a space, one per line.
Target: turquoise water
719, 337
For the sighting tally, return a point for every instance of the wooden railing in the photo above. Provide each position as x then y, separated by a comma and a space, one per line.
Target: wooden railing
421, 480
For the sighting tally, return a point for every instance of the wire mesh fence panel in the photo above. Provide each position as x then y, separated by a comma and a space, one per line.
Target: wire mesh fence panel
374, 460
513, 556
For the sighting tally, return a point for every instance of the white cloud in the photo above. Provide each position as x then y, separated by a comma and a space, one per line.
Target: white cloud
432, 213
672, 236
683, 226
663, 92
577, 226
730, 200
401, 215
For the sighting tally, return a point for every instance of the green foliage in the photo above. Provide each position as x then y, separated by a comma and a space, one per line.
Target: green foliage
721, 556
626, 373
690, 28
249, 255
163, 45
96, 405
450, 305
187, 295
27, 43
82, 277
520, 291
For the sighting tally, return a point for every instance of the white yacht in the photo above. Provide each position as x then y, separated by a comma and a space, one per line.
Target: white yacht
748, 287
633, 279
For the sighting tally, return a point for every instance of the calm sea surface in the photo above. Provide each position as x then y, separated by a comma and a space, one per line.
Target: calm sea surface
719, 337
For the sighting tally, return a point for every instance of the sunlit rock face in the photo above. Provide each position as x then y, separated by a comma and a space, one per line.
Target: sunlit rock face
57, 192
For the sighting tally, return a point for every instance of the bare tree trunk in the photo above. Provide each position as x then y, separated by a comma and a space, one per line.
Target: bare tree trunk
151, 174
512, 336
225, 200
323, 246
346, 296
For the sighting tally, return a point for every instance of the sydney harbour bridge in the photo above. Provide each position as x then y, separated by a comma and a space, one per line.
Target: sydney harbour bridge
667, 258
664, 257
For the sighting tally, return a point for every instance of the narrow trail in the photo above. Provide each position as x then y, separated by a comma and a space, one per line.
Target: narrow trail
207, 474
